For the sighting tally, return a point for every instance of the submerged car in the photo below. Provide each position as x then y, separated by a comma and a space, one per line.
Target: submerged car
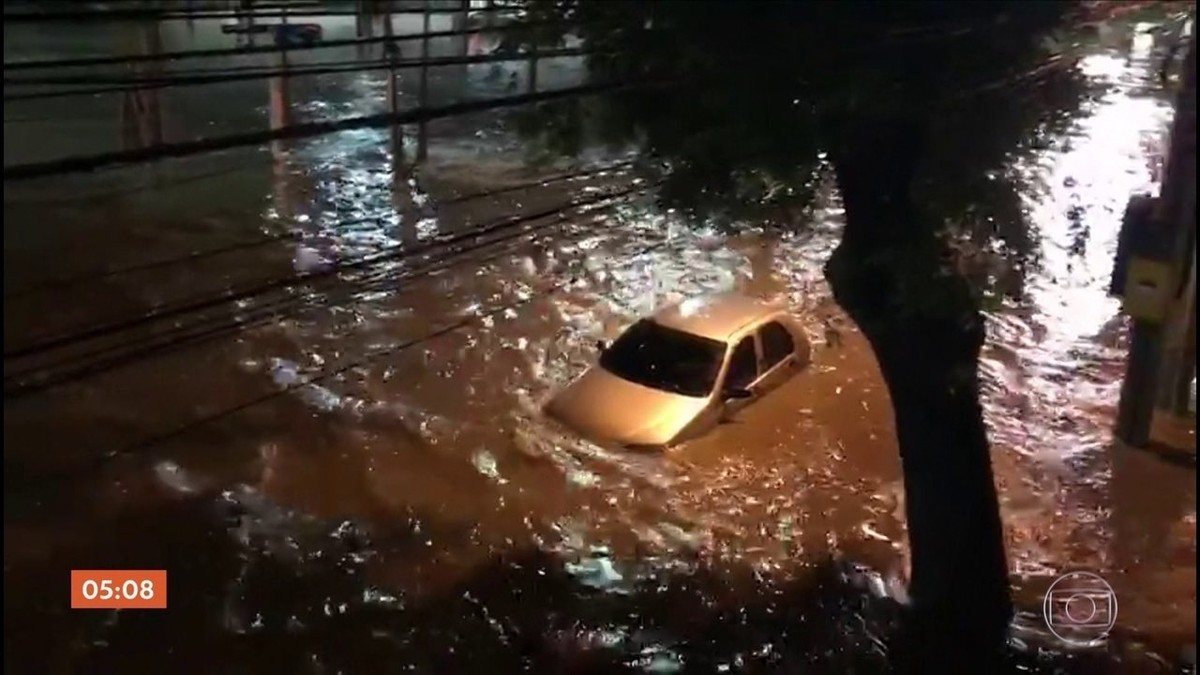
677, 374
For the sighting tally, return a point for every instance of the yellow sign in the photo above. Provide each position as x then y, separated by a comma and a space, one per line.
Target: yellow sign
1147, 289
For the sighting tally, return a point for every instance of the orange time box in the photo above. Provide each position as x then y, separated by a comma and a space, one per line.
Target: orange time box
118, 589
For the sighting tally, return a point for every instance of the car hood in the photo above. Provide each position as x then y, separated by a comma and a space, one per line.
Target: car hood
602, 406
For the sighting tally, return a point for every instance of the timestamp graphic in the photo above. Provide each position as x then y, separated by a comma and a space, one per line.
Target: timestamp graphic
118, 589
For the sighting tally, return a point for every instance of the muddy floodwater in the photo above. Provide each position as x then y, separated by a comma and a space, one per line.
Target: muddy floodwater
350, 473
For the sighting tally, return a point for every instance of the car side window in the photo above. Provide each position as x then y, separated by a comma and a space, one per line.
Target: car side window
777, 343
743, 365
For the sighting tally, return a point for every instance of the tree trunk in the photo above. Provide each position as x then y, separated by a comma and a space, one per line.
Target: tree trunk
892, 275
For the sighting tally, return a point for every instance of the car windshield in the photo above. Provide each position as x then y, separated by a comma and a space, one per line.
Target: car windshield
662, 358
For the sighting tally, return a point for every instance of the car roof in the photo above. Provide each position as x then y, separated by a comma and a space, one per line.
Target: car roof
717, 317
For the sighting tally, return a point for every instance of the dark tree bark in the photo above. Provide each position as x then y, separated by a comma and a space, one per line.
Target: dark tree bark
893, 275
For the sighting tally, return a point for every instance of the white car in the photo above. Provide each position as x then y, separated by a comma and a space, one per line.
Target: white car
676, 375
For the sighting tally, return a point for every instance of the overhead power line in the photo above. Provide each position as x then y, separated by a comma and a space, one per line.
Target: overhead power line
265, 49
374, 355
126, 76
127, 84
102, 195
141, 446
535, 96
388, 254
156, 153
106, 359
194, 256
177, 15
188, 148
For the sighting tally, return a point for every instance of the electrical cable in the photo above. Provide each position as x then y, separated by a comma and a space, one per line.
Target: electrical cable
78, 164
114, 15
942, 32
389, 254
123, 78
60, 340
104, 360
44, 345
1051, 64
101, 195
139, 447
163, 151
269, 49
55, 342
199, 76
373, 355
98, 275
125, 85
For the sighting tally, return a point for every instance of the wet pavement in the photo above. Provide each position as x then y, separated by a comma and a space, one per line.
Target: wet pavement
386, 497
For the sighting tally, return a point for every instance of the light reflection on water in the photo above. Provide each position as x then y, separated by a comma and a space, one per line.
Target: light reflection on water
1059, 369
408, 474
793, 486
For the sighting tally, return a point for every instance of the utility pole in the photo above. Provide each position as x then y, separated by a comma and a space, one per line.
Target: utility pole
280, 116
364, 26
1155, 258
246, 22
189, 7
1141, 278
423, 96
141, 109
393, 94
402, 192
1178, 208
278, 86
461, 43
533, 61
1179, 351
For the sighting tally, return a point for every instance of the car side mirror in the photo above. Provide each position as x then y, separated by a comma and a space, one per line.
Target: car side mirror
602, 346
737, 394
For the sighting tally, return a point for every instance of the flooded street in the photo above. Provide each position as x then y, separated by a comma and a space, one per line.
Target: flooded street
349, 472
